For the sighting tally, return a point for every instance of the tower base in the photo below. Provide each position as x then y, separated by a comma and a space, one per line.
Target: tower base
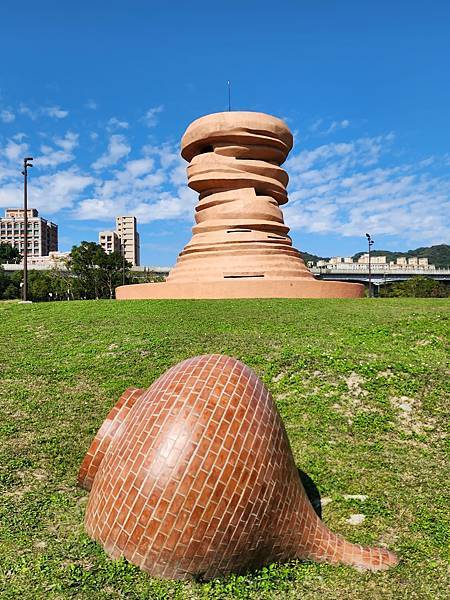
240, 288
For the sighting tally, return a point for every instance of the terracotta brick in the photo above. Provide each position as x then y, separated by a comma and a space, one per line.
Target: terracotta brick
201, 480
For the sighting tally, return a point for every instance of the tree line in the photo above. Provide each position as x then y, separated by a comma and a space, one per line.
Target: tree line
416, 287
88, 273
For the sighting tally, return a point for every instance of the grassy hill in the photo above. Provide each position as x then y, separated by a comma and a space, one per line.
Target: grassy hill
437, 255
360, 385
307, 257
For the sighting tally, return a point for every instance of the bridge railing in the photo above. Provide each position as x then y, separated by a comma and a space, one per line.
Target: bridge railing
377, 270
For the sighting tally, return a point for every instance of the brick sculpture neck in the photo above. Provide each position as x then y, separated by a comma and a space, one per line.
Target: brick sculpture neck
240, 246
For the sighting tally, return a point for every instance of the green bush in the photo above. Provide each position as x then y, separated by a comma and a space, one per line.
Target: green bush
416, 287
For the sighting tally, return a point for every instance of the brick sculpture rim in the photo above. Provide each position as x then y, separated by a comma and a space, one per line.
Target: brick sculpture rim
194, 477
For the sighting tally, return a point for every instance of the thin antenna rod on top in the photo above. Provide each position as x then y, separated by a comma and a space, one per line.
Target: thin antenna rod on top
229, 96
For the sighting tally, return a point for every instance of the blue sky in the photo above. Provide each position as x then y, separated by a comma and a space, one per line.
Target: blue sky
101, 92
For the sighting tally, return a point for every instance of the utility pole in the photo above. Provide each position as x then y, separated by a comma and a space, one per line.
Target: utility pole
370, 243
26, 163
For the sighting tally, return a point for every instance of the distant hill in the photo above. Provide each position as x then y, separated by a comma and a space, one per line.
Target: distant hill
437, 255
307, 257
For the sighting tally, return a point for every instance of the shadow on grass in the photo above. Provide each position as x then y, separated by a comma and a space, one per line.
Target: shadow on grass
311, 491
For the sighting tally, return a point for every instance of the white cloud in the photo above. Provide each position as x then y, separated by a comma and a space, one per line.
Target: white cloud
118, 148
48, 193
114, 123
25, 110
365, 151
318, 126
7, 173
140, 166
7, 116
345, 189
69, 142
335, 125
55, 112
91, 105
141, 187
97, 209
168, 206
166, 153
51, 157
15, 152
178, 175
151, 116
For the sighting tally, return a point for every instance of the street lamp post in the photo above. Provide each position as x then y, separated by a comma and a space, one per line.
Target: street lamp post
370, 243
26, 163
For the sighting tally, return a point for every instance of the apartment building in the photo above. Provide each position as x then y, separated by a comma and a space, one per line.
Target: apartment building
377, 262
42, 234
109, 241
129, 239
124, 239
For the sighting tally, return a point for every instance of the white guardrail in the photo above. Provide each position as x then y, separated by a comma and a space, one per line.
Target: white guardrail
47, 267
356, 270
378, 270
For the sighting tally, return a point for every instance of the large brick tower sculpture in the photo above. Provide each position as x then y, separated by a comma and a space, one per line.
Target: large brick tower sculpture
240, 246
194, 477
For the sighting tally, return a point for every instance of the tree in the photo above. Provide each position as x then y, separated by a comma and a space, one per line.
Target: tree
9, 254
11, 292
154, 277
39, 286
416, 287
62, 279
4, 281
84, 265
114, 269
9, 285
95, 272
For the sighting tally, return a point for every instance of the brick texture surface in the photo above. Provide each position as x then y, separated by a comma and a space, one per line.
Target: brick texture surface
195, 477
105, 434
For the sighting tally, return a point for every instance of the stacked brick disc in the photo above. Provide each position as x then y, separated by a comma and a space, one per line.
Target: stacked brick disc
194, 477
240, 246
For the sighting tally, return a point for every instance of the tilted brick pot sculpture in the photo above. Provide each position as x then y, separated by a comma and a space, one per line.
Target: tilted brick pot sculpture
195, 477
240, 246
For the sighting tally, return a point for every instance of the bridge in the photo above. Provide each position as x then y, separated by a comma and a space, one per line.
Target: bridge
381, 274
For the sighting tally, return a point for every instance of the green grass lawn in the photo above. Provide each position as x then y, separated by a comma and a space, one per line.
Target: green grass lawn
361, 388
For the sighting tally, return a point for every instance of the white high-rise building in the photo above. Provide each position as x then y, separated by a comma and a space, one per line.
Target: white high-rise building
125, 239
129, 239
42, 234
109, 241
